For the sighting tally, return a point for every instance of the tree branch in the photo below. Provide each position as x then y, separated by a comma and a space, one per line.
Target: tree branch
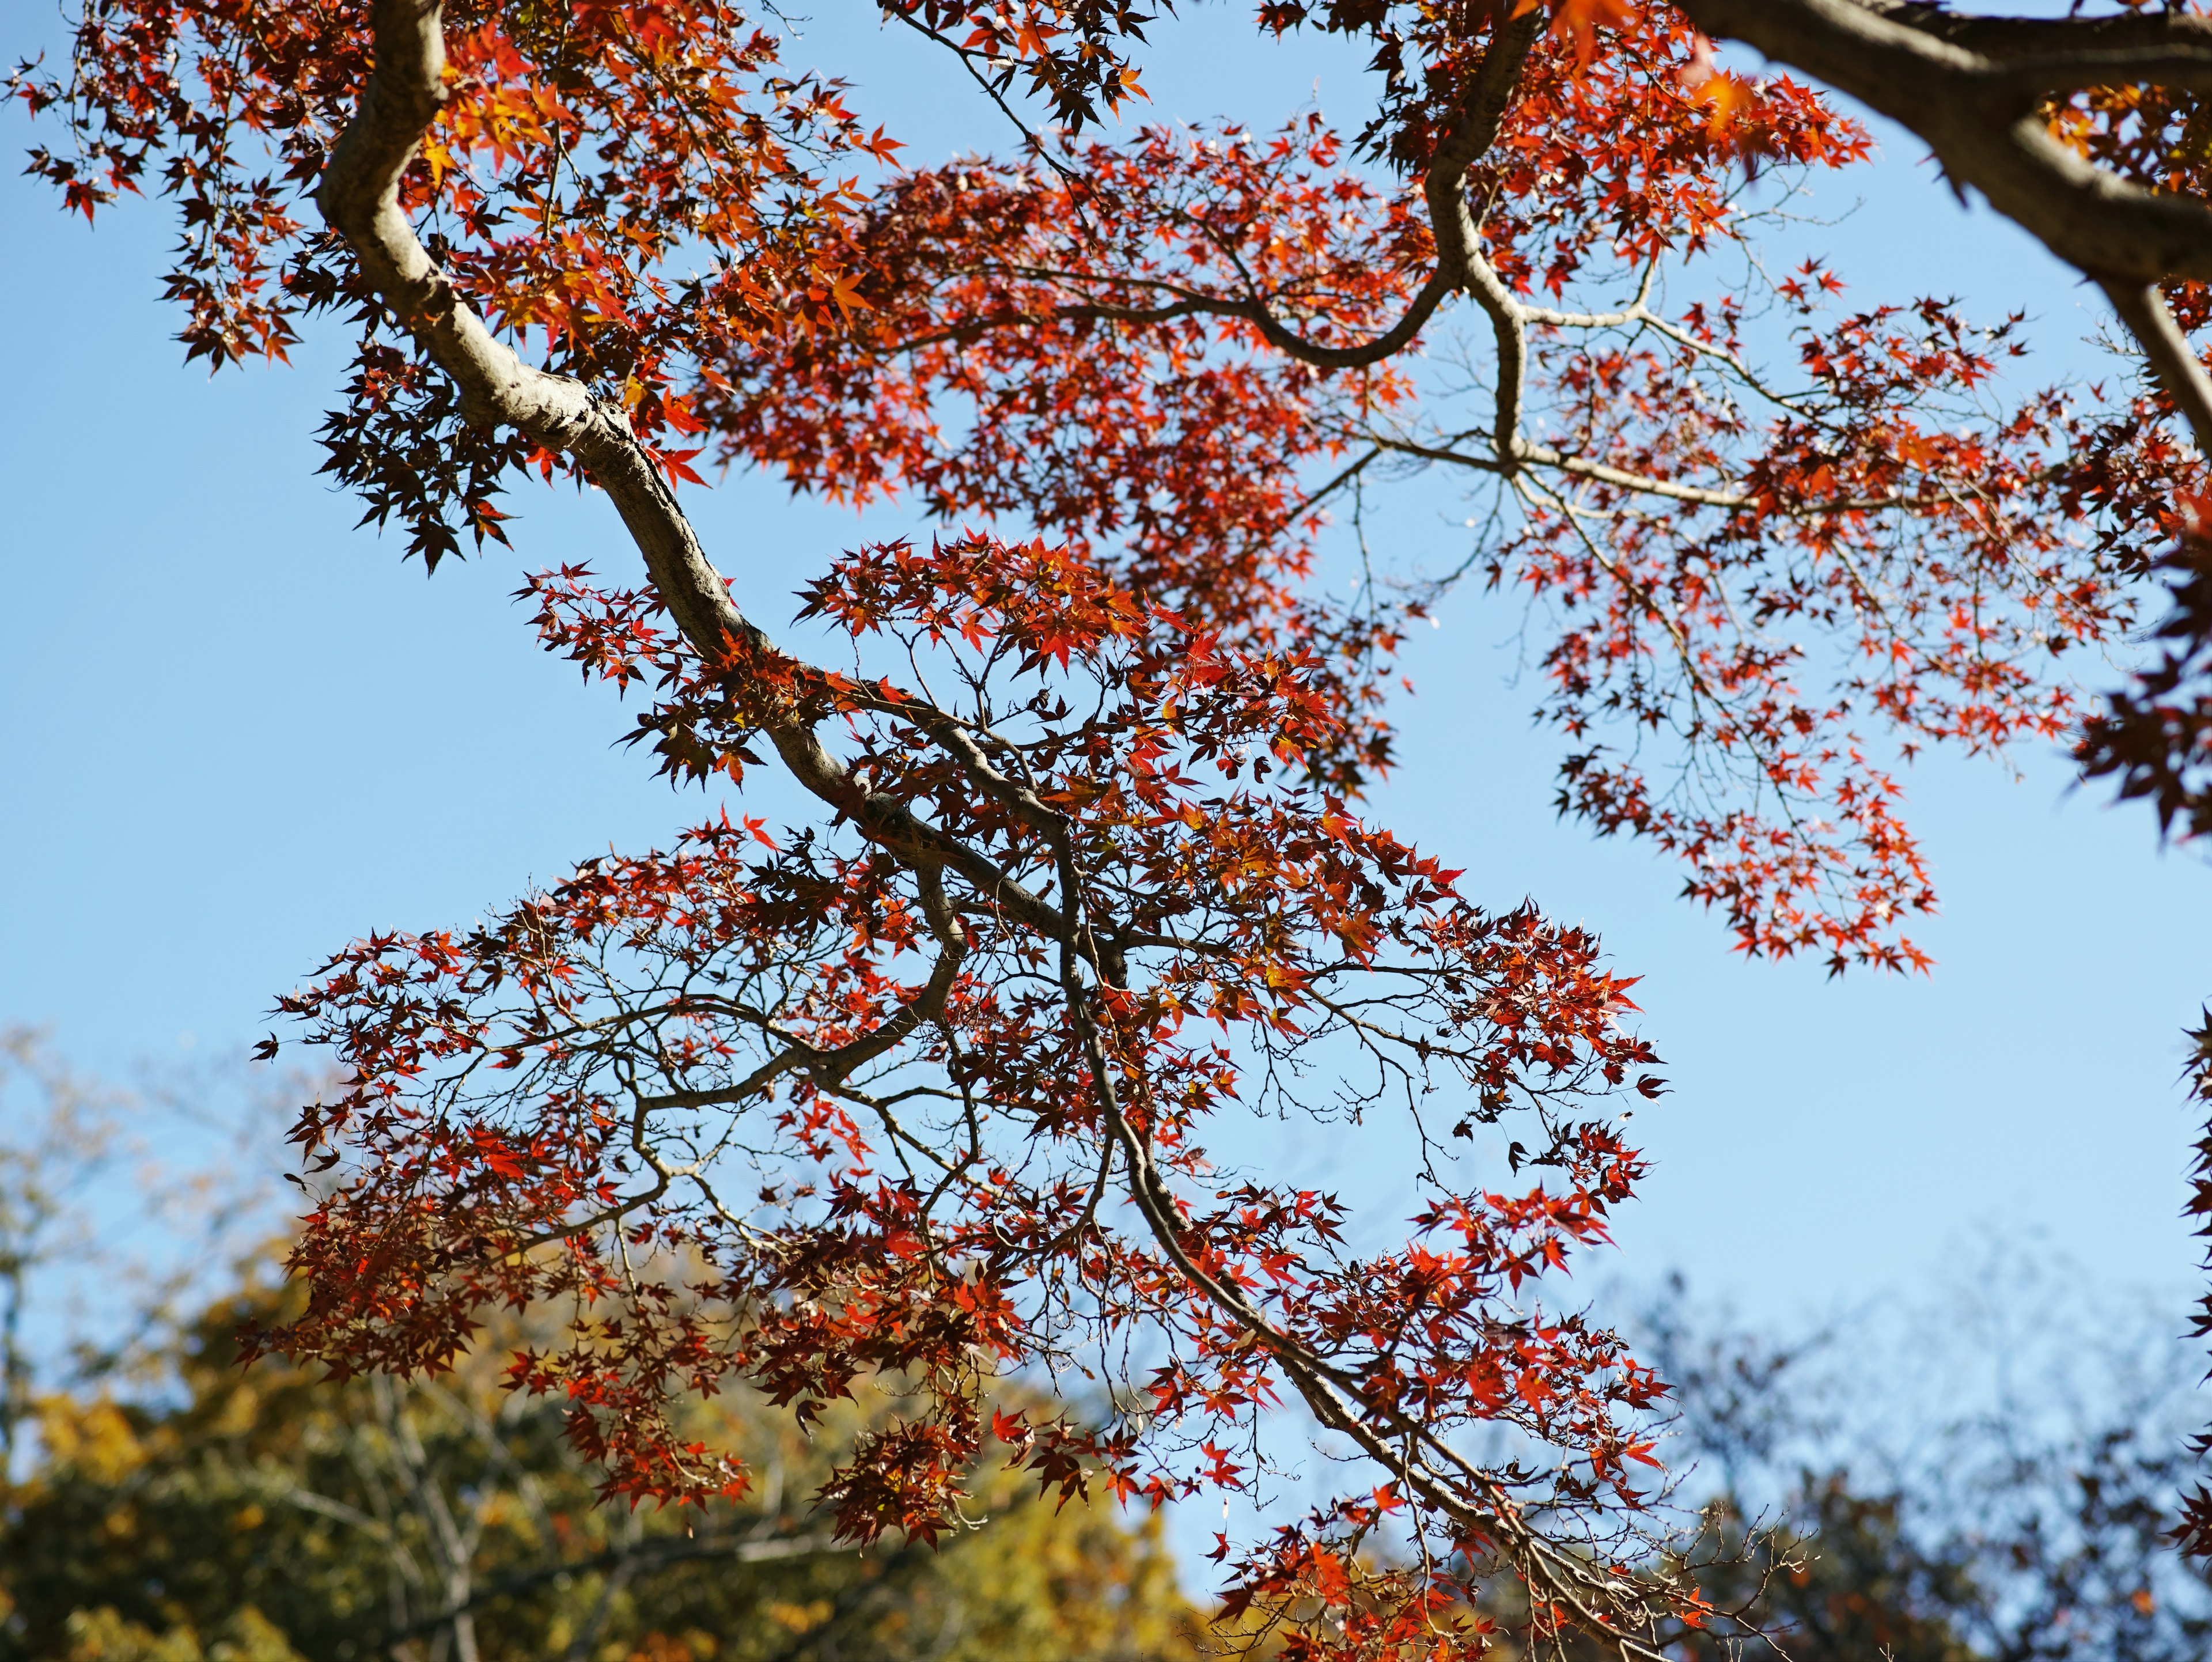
1975, 105
2015, 37
1460, 263
359, 196
2178, 369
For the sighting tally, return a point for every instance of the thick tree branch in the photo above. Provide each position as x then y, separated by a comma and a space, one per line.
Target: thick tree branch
1972, 87
359, 198
1459, 240
1976, 110
2178, 369
2011, 38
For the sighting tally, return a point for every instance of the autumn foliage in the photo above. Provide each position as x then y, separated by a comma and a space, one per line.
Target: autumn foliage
922, 1089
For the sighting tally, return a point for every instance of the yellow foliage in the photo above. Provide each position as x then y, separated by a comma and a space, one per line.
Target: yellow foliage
800, 1618
92, 1440
102, 1635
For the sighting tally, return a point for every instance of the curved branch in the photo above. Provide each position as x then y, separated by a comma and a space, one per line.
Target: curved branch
1460, 263
359, 196
832, 1067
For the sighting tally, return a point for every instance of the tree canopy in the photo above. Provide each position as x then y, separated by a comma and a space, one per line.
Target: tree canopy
919, 1088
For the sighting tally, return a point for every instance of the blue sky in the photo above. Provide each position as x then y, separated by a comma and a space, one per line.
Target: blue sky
238, 731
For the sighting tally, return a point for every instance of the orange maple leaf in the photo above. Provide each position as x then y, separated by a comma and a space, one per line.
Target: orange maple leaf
1580, 20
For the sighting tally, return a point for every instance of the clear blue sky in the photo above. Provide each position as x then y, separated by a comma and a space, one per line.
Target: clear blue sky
238, 731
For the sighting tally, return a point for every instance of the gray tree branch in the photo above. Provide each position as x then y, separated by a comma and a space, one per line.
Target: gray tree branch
359, 196
1972, 87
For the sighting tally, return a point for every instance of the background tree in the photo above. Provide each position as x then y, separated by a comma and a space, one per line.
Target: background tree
921, 1090
216, 1511
65, 1139
113, 1201
2023, 1510
1992, 1477
190, 1509
176, 1507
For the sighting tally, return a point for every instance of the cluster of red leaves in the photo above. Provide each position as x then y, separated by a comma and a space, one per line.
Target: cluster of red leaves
1163, 443
772, 1108
1613, 158
1099, 346
1070, 53
1872, 525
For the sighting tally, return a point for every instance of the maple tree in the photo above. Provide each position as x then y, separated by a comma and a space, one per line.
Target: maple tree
921, 1088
